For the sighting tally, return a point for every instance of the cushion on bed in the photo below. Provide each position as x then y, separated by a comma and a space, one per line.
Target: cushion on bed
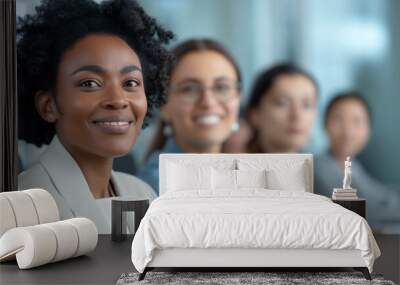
228, 181
182, 178
278, 180
282, 174
251, 178
223, 179
186, 174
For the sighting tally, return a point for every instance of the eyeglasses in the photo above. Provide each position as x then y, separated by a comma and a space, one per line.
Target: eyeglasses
191, 92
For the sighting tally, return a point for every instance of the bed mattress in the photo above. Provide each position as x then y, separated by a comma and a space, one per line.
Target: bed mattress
250, 219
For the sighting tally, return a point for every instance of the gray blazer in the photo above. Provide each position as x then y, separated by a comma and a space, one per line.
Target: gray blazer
383, 204
57, 172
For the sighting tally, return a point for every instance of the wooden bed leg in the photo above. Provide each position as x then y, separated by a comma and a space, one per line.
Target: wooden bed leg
142, 275
364, 271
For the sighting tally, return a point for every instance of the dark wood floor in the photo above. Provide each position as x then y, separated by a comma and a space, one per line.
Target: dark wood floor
110, 260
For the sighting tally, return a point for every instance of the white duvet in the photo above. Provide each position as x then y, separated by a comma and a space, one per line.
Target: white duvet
252, 218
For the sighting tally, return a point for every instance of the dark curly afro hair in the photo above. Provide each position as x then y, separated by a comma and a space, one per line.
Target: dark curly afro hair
57, 24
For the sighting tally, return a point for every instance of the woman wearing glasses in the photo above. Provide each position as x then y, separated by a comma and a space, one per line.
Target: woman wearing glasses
282, 109
202, 104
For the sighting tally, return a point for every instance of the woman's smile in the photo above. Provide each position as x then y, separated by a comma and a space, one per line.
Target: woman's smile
114, 125
115, 128
207, 120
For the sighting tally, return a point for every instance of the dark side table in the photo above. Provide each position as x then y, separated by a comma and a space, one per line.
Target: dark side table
357, 206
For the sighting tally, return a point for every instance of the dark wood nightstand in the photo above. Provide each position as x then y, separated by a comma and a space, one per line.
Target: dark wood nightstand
357, 206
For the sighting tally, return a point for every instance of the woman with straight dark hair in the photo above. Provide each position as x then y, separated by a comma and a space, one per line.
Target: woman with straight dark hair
282, 109
202, 104
347, 122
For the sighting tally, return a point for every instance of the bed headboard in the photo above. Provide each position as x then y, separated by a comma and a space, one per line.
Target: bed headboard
219, 160
225, 158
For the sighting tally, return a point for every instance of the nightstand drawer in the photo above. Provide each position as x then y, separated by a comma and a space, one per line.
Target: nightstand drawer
357, 206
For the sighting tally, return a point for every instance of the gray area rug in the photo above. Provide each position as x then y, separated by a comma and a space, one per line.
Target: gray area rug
225, 278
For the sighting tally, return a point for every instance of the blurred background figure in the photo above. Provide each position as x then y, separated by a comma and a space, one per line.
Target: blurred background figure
281, 110
237, 142
202, 104
347, 122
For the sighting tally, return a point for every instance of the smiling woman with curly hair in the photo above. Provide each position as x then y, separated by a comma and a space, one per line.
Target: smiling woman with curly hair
89, 76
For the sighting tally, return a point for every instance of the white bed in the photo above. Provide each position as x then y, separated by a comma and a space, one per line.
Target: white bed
198, 223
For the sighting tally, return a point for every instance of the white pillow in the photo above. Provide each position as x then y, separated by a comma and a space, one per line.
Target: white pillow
282, 174
280, 181
183, 178
251, 178
223, 179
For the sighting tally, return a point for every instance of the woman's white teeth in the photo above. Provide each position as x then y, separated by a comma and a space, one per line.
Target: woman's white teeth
113, 123
208, 120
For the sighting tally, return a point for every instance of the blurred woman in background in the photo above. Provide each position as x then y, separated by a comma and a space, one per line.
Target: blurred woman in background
347, 122
202, 104
282, 109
